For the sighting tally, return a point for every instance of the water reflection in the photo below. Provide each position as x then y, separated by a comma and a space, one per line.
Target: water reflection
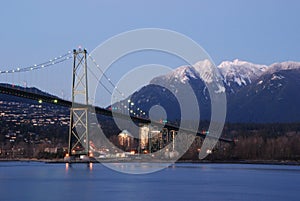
90, 166
67, 167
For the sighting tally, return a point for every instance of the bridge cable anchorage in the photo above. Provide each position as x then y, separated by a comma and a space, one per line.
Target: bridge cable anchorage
114, 86
48, 63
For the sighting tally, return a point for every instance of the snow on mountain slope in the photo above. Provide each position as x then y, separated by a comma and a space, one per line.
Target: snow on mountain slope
255, 93
201, 69
238, 73
287, 65
235, 74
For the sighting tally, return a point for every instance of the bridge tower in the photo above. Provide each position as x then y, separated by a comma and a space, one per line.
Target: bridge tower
79, 113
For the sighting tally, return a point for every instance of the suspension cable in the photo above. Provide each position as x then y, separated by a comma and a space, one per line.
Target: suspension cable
48, 63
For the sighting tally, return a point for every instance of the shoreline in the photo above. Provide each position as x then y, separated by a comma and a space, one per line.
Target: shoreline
254, 162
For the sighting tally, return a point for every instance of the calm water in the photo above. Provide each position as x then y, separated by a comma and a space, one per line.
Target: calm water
24, 181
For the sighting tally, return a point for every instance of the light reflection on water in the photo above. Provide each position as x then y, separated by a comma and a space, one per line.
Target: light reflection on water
40, 181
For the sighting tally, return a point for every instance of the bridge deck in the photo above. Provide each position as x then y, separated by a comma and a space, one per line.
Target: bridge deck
16, 91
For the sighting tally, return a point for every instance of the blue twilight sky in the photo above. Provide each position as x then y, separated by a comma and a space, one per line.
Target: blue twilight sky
259, 31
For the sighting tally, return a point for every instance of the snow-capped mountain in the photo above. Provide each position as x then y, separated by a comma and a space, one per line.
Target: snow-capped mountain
273, 97
288, 65
255, 93
237, 74
202, 69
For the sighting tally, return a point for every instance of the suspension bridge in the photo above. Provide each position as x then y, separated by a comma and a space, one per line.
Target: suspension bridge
80, 107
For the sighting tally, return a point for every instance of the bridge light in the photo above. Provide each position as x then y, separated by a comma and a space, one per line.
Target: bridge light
55, 101
40, 101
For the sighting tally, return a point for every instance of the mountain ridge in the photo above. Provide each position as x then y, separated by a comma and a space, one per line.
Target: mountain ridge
255, 92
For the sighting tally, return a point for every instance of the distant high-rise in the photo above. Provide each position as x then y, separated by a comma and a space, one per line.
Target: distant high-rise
144, 136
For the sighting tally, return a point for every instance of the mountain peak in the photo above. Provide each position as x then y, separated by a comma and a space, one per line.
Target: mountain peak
287, 65
240, 73
240, 64
205, 70
201, 69
235, 62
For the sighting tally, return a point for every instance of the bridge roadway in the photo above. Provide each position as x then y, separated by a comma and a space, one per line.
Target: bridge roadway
17, 91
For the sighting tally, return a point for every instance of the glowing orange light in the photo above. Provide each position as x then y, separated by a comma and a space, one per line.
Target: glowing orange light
67, 166
91, 166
